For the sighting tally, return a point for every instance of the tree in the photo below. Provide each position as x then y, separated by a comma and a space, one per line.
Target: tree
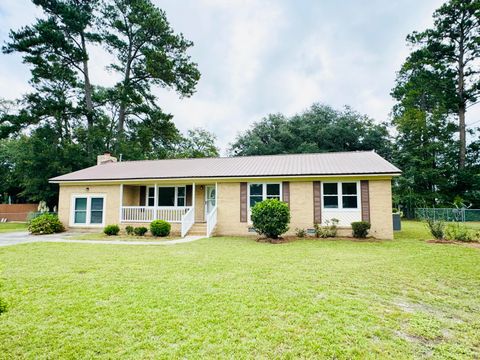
198, 143
319, 129
148, 53
453, 47
56, 46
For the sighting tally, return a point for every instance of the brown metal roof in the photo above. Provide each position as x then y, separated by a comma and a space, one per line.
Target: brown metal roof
321, 164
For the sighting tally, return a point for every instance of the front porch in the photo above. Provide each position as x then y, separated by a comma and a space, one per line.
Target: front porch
192, 207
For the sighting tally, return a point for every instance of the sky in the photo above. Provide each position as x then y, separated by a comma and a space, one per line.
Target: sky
266, 56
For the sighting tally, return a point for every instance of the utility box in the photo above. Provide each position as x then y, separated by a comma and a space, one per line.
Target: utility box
397, 223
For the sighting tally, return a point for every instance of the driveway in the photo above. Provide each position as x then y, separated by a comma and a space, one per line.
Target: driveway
23, 237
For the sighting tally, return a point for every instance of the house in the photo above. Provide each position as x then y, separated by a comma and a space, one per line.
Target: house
214, 195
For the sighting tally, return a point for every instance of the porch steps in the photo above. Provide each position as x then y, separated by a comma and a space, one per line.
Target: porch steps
198, 229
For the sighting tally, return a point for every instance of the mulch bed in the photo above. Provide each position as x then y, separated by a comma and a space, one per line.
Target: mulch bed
287, 239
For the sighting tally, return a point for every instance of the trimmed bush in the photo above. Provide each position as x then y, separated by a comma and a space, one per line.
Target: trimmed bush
160, 228
436, 228
360, 229
111, 230
140, 231
271, 218
45, 224
129, 230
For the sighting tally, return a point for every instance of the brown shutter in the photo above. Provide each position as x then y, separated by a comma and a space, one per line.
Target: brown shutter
286, 192
365, 200
317, 202
243, 202
143, 192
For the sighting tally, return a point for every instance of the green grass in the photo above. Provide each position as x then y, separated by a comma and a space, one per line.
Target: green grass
12, 226
237, 298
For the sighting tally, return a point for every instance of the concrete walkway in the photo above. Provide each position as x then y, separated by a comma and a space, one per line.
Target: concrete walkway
22, 237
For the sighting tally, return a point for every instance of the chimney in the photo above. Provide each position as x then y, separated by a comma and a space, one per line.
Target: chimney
105, 158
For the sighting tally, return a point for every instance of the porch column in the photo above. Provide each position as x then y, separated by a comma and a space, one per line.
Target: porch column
193, 197
120, 212
216, 194
155, 203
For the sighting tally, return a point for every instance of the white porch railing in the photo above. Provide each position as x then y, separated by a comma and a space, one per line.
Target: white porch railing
188, 219
150, 213
211, 220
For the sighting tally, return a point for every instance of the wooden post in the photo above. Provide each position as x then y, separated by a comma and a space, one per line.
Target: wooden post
120, 215
155, 203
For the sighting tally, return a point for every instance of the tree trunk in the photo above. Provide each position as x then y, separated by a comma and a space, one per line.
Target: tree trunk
88, 87
462, 108
463, 140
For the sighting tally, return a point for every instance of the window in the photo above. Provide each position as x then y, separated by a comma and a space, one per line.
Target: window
151, 196
167, 196
88, 210
260, 192
343, 195
80, 216
349, 195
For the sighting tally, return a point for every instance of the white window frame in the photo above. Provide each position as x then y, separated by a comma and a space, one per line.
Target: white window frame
89, 207
340, 196
264, 192
176, 187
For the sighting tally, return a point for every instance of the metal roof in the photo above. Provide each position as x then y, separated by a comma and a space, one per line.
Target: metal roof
321, 164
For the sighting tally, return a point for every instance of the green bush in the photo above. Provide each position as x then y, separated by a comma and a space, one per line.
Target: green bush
111, 230
160, 228
436, 228
271, 218
3, 306
140, 231
360, 229
301, 233
458, 232
129, 230
45, 224
329, 230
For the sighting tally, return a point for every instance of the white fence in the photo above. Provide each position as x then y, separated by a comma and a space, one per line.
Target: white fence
148, 214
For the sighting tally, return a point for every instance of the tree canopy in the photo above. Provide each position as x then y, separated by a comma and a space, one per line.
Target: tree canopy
318, 129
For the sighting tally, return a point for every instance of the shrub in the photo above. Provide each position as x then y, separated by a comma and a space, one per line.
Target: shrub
301, 233
160, 228
329, 230
45, 224
436, 228
360, 229
271, 218
3, 306
129, 229
140, 231
111, 230
458, 232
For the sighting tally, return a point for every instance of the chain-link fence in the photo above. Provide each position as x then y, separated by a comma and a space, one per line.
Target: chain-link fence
448, 214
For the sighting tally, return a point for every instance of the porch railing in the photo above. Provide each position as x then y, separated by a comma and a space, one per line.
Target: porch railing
188, 219
211, 221
148, 214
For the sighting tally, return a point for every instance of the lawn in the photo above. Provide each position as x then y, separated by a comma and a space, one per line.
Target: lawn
12, 226
237, 298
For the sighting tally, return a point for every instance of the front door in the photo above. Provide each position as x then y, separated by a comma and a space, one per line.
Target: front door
210, 199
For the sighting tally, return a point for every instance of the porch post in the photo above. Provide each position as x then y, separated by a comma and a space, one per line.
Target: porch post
155, 203
193, 199
216, 194
121, 204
